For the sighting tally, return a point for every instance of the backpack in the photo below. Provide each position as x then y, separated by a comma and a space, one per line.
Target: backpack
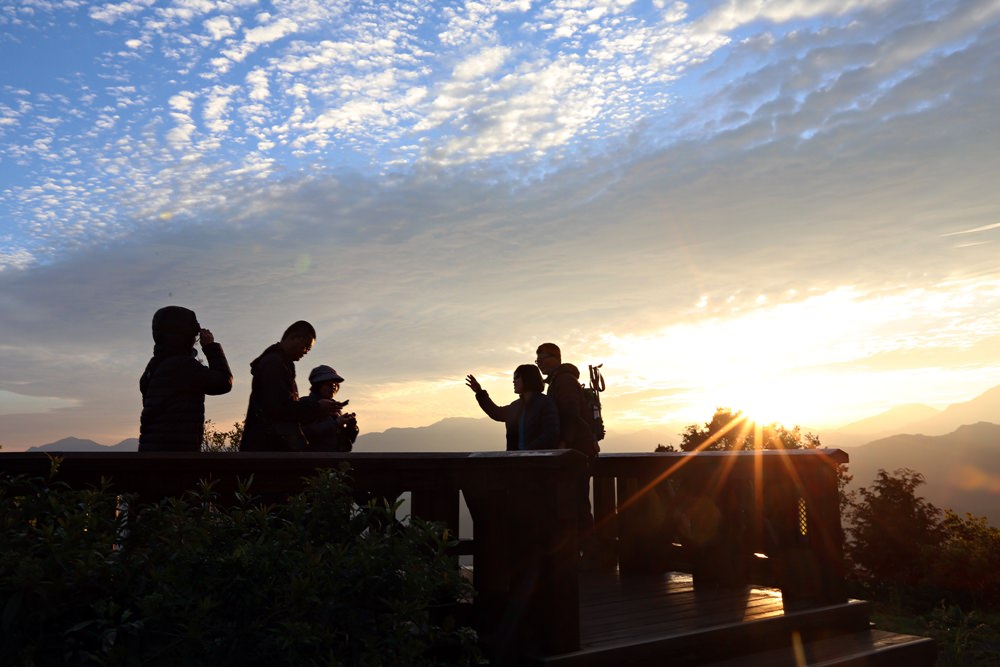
592, 403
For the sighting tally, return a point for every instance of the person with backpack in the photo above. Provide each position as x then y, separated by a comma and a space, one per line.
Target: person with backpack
574, 428
175, 383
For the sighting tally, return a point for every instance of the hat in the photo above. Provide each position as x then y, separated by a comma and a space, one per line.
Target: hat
324, 374
175, 320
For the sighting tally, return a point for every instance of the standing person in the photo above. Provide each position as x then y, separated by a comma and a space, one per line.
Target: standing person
574, 432
532, 420
175, 383
275, 413
335, 433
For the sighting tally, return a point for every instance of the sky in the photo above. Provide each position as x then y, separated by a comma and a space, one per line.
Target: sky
789, 208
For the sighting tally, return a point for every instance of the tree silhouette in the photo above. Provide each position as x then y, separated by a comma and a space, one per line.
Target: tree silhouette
891, 530
733, 431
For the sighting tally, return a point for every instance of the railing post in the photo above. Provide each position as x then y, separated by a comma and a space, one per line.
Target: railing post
526, 554
812, 566
605, 519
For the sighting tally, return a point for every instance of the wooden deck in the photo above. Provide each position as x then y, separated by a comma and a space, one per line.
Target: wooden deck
740, 522
614, 610
661, 619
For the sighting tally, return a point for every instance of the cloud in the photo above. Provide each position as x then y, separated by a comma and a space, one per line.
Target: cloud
220, 27
633, 184
259, 89
272, 32
111, 12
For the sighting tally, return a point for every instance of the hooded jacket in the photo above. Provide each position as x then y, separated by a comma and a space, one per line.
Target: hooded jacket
174, 384
275, 412
566, 392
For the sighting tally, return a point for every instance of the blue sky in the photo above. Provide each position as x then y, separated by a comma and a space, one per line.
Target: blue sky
789, 207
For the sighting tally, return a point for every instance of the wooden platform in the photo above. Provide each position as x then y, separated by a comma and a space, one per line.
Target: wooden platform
532, 606
663, 620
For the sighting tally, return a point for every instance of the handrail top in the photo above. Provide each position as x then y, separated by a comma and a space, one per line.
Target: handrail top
835, 455
292, 456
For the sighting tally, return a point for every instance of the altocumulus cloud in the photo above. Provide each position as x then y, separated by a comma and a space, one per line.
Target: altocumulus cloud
438, 191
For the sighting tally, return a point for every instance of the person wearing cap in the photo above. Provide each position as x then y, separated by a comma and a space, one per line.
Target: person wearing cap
175, 383
275, 414
337, 432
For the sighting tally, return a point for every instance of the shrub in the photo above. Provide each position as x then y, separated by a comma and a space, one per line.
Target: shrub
87, 577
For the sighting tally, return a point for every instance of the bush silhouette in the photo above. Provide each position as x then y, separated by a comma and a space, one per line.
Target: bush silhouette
88, 577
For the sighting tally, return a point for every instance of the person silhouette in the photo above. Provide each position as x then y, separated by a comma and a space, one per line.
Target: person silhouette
532, 420
174, 383
337, 432
274, 412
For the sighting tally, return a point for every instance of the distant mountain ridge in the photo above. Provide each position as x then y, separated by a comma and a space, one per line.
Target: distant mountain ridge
83, 445
961, 468
917, 419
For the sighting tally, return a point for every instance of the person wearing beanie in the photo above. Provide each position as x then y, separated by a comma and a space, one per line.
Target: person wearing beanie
532, 420
335, 433
175, 383
275, 414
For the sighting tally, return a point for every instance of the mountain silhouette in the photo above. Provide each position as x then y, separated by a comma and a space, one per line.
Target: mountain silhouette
985, 407
894, 420
918, 419
454, 434
961, 468
84, 445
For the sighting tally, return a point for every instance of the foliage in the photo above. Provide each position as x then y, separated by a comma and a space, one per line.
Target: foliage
729, 430
91, 578
903, 547
215, 440
965, 564
964, 638
891, 531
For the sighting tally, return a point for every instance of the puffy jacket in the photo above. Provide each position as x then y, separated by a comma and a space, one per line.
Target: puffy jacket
173, 390
275, 412
566, 392
327, 434
541, 420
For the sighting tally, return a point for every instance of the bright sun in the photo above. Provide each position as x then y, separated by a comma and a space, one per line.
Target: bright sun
774, 364
776, 399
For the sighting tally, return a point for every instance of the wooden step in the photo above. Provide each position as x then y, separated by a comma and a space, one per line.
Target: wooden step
875, 648
725, 641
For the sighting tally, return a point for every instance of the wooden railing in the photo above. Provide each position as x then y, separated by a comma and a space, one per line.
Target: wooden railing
522, 504
731, 518
707, 513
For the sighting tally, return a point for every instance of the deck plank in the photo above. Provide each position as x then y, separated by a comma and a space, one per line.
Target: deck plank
642, 620
614, 609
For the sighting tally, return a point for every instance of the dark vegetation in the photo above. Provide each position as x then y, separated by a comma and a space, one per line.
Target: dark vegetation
88, 577
929, 571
